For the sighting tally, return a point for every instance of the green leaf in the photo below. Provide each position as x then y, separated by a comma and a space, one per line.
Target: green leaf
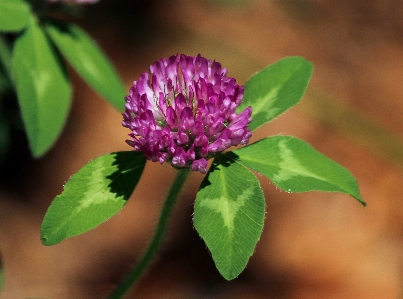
295, 166
229, 215
94, 194
14, 15
43, 88
5, 57
275, 89
89, 61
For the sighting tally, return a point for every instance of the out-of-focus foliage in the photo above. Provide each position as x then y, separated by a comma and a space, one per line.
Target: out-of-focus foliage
43, 88
1, 279
14, 15
36, 69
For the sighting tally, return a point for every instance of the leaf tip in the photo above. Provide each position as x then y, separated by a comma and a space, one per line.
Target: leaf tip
45, 240
230, 276
362, 201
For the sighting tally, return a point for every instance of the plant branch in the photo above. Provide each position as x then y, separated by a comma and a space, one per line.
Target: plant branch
156, 242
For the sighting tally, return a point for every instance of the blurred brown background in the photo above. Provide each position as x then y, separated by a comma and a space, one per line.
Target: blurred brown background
314, 245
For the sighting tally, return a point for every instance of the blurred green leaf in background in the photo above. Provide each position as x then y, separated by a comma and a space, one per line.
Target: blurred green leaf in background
14, 15
1, 278
32, 47
88, 60
43, 88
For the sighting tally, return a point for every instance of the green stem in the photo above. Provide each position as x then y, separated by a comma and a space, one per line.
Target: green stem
155, 244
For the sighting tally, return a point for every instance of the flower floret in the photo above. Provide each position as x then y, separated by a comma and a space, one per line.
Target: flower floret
186, 113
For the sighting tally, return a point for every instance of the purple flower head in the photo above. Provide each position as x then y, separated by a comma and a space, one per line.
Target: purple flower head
184, 112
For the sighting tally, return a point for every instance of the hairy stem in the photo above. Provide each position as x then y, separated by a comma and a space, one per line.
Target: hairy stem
156, 242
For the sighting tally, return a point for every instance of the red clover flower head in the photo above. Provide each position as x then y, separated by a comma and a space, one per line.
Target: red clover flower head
184, 112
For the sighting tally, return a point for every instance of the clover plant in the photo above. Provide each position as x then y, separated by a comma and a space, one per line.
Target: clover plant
185, 111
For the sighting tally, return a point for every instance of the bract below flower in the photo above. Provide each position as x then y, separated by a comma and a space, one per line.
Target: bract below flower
184, 112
